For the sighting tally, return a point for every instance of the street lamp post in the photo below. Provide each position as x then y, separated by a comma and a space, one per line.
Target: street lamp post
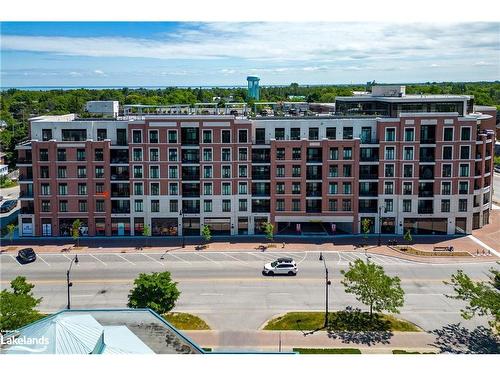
69, 283
380, 223
182, 228
327, 285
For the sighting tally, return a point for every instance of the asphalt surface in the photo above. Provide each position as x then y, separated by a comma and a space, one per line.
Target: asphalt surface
496, 187
228, 290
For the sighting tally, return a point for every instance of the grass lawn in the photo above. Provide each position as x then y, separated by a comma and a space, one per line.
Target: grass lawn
7, 183
353, 320
327, 351
185, 321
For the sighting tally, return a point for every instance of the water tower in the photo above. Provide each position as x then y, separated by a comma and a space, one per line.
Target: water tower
253, 87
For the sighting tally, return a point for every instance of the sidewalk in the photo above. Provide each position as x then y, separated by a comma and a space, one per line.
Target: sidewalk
369, 342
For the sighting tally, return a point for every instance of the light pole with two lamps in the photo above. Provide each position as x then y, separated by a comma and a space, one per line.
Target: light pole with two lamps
380, 222
68, 282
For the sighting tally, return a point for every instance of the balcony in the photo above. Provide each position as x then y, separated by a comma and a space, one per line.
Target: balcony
25, 194
191, 176
120, 210
25, 178
261, 156
426, 194
191, 207
27, 211
120, 177
368, 176
368, 141
24, 161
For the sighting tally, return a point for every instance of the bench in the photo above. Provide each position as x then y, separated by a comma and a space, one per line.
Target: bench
443, 248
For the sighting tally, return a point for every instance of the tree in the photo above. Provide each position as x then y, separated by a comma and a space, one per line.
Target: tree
75, 231
373, 287
269, 230
407, 236
206, 233
365, 227
156, 291
17, 307
482, 297
146, 232
10, 229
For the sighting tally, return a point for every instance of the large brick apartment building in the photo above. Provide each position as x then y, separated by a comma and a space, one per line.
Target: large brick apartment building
405, 162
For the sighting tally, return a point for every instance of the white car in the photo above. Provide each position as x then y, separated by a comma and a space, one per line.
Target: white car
281, 266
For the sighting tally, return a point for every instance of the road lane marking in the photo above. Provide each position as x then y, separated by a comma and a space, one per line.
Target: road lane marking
153, 259
211, 294
349, 257
96, 258
304, 258
43, 260
209, 259
340, 258
15, 260
238, 260
67, 257
125, 259
82, 295
181, 259
379, 259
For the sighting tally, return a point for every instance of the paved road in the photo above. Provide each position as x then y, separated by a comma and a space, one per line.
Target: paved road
496, 187
228, 290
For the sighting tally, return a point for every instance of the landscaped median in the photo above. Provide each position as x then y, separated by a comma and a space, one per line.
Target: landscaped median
185, 321
346, 320
408, 250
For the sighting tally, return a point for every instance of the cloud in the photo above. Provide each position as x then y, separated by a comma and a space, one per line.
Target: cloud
434, 66
482, 63
99, 72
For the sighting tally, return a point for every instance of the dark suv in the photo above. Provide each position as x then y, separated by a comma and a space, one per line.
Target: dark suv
27, 255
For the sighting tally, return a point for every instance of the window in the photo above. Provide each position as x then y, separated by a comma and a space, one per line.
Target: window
445, 205
347, 133
207, 171
389, 205
448, 136
138, 190
45, 206
242, 154
408, 170
243, 188
99, 187
462, 205
333, 171
295, 204
347, 153
44, 154
61, 172
390, 134
226, 188
207, 154
280, 154
82, 189
334, 153
44, 172
226, 154
172, 136
99, 172
155, 205
63, 206
280, 188
296, 153
63, 189
447, 152
138, 205
242, 171
172, 171
80, 154
226, 205
207, 188
207, 136
242, 205
102, 134
173, 206
207, 205
99, 154
409, 135
137, 171
295, 187
446, 170
407, 188
346, 205
331, 133
333, 188
389, 170
279, 134
295, 134
464, 152
347, 169
406, 205
464, 170
155, 188
74, 135
99, 205
136, 136
153, 136
446, 188
389, 153
61, 155
332, 205
173, 188
81, 172
280, 205
465, 134
408, 153
389, 187
46, 134
154, 171
226, 136
82, 206
280, 171
295, 171
463, 187
226, 171
154, 154
313, 134
260, 136
137, 154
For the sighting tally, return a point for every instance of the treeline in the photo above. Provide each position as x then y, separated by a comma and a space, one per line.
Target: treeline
17, 106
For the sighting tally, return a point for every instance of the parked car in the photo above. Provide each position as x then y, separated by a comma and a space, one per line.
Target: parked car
497, 168
281, 266
8, 205
27, 255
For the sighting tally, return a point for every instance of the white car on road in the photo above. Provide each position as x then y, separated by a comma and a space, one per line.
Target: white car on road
281, 266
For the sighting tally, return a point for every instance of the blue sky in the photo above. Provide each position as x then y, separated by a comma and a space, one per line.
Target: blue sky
208, 53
